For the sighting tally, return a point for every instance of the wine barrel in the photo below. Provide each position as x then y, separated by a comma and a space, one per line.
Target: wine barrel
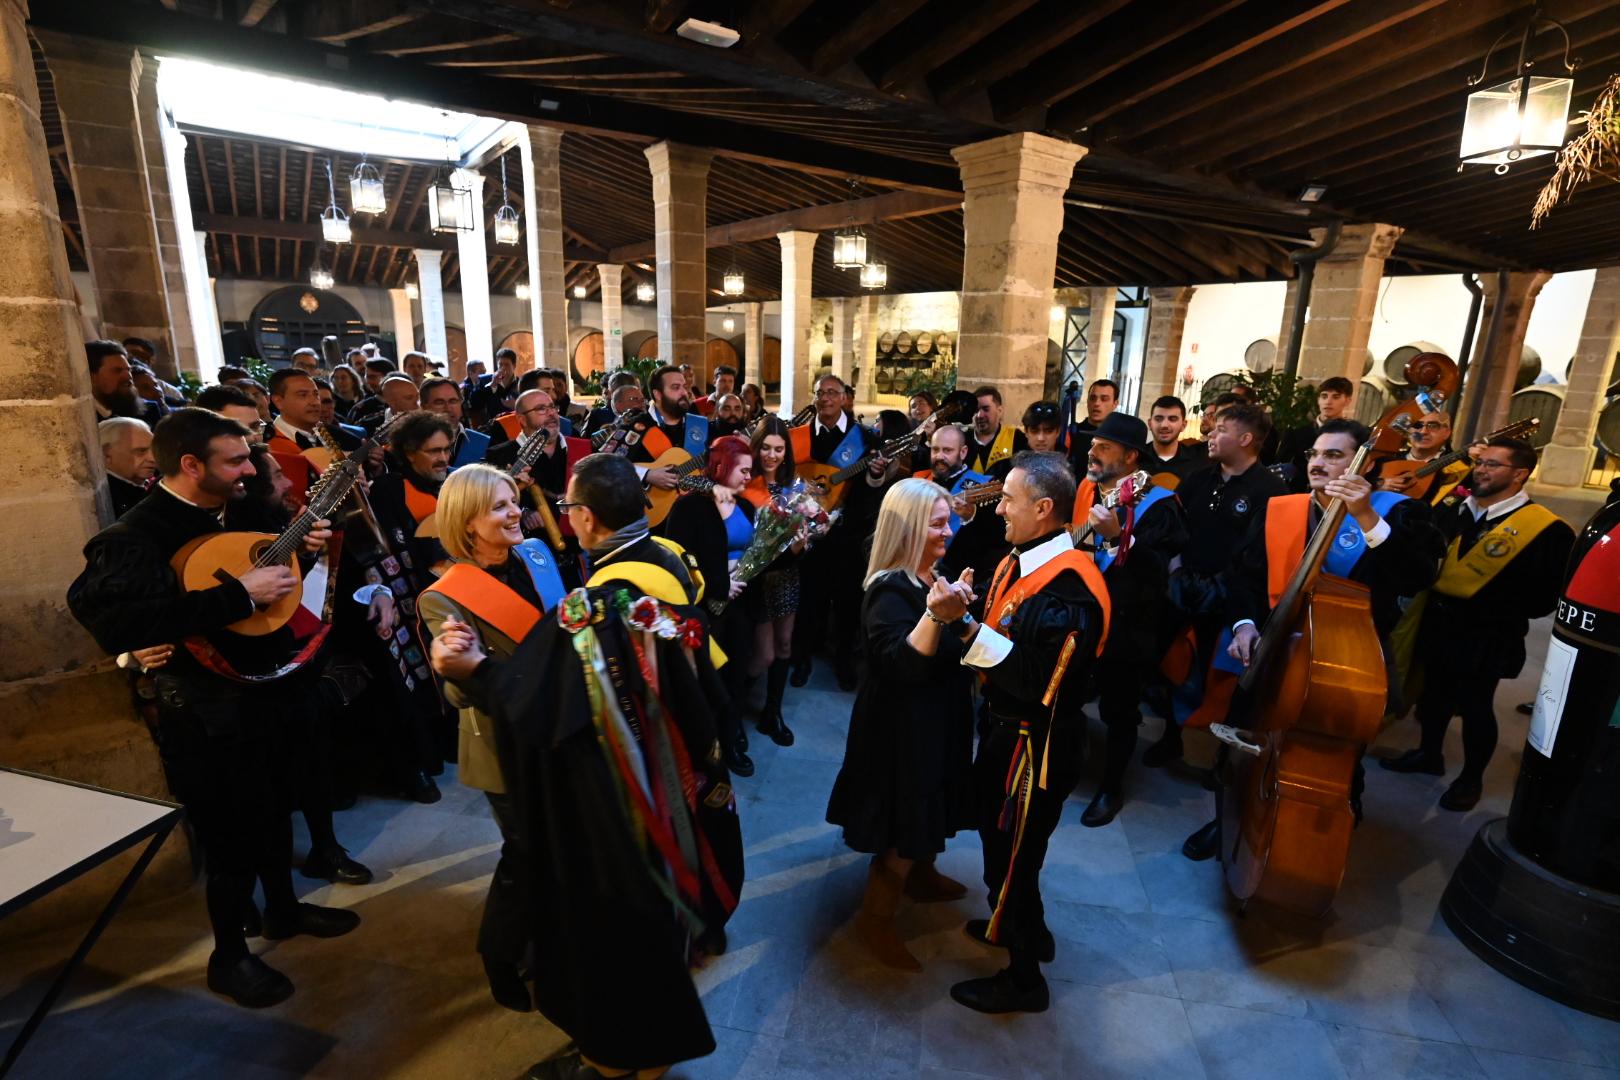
903, 343
770, 369
884, 380
1608, 428
584, 352
1261, 355
1395, 362
640, 343
1544, 402
885, 343
1373, 398
455, 340
1529, 368
922, 343
716, 351
522, 343
1216, 385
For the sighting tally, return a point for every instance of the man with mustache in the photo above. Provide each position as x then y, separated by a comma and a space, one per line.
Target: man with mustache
1428, 438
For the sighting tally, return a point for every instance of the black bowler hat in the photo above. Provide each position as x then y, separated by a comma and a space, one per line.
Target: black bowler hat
1126, 430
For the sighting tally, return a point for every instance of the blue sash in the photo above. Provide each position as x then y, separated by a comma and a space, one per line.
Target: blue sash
543, 572
474, 447
697, 434
968, 477
850, 450
1350, 544
1105, 559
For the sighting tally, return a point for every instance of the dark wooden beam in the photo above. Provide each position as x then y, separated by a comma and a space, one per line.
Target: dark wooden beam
310, 231
768, 18
1021, 43
860, 32
337, 21
890, 207
256, 11
663, 14
949, 41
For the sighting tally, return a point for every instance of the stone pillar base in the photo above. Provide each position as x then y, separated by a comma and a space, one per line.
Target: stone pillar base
1565, 466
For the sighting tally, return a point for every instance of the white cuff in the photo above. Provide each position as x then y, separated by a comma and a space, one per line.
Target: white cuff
366, 593
1240, 624
988, 649
641, 471
1377, 534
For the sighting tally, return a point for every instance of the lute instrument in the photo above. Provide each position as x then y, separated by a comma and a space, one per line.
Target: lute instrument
1128, 492
1316, 684
1424, 472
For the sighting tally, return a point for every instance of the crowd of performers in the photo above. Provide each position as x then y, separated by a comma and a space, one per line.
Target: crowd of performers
572, 605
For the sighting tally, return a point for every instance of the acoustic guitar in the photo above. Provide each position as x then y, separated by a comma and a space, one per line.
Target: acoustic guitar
830, 479
1423, 472
215, 558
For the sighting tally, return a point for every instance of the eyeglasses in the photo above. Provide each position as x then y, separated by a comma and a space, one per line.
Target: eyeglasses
256, 426
1430, 425
564, 505
1495, 465
540, 409
829, 393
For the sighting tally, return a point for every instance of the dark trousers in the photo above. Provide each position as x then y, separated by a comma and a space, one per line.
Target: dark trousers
829, 602
1023, 918
503, 936
1119, 699
225, 759
1446, 693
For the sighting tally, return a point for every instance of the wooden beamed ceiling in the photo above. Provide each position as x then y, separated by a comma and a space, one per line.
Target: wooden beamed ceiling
1203, 119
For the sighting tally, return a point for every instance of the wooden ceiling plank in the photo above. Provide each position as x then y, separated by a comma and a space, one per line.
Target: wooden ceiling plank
1021, 43
859, 33
255, 13
951, 40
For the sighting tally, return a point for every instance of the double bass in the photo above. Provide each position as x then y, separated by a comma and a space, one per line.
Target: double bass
1433, 378
1316, 688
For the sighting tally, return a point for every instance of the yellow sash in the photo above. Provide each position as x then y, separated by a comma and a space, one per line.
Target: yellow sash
657, 582
1000, 449
1462, 577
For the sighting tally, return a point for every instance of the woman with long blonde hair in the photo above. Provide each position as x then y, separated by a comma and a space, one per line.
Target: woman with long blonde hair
905, 786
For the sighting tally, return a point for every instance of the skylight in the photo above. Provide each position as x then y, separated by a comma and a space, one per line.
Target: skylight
233, 100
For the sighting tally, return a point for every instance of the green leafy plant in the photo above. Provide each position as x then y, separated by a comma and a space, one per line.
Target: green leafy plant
1291, 401
643, 366
188, 384
938, 380
258, 370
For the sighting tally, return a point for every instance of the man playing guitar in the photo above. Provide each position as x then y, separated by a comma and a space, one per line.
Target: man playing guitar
677, 426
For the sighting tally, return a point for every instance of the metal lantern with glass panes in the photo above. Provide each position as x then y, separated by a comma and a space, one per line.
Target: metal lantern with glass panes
1526, 116
366, 192
646, 292
521, 290
450, 208
849, 248
580, 292
412, 292
874, 275
334, 222
507, 230
319, 276
732, 282
728, 324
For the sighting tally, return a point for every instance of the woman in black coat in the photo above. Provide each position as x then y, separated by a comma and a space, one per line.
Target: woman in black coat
714, 527
905, 785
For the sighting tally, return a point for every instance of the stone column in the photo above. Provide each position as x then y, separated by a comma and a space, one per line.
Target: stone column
1493, 372
430, 294
64, 706
95, 92
472, 270
797, 250
1167, 318
1012, 213
1567, 459
843, 335
542, 223
1343, 295
1284, 332
611, 275
399, 309
154, 148
202, 311
864, 346
754, 344
680, 192
1100, 333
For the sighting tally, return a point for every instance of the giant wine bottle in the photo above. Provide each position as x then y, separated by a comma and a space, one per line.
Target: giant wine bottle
1537, 895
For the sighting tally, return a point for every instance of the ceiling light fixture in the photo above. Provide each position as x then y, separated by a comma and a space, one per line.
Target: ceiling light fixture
708, 33
1526, 116
521, 291
450, 208
1312, 193
646, 292
580, 292
728, 324
319, 276
366, 192
507, 230
334, 222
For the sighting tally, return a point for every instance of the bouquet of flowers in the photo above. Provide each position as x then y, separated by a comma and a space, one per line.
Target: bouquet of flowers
793, 513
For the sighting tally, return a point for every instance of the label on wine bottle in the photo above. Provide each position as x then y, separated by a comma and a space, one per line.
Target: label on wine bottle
1549, 707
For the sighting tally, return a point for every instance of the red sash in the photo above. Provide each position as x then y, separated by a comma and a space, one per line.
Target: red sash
487, 597
1006, 599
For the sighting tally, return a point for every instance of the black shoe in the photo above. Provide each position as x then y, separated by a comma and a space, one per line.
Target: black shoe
419, 787
250, 982
1203, 844
1461, 795
309, 919
1415, 761
999, 994
738, 763
252, 925
773, 727
565, 1066
335, 866
799, 674
742, 738
979, 929
1105, 807
507, 986
1166, 750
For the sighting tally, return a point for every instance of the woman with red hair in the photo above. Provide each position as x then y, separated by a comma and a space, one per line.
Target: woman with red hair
715, 526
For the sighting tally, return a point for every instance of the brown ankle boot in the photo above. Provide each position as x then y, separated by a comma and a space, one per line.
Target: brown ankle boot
875, 922
926, 885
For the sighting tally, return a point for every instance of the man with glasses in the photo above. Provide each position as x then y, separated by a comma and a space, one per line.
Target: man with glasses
1504, 566
549, 474
443, 396
1427, 439
236, 403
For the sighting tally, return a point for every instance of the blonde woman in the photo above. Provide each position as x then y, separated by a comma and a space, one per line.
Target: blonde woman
905, 786
494, 593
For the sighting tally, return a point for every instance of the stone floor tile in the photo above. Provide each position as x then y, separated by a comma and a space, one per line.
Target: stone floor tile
1103, 947
1241, 1044
1116, 1035
738, 1055
1011, 1045
1490, 1011
1176, 886
1503, 1066
1379, 1055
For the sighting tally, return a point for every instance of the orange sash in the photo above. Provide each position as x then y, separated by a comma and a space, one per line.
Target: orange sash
1006, 599
297, 468
1286, 518
420, 504
487, 597
655, 441
757, 492
799, 439
1084, 498
510, 423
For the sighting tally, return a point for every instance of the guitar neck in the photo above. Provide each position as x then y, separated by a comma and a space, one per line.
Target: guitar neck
1438, 463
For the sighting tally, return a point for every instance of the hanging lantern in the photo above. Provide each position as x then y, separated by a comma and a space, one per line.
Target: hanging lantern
580, 292
874, 275
412, 292
732, 282
334, 222
366, 192
507, 230
450, 208
728, 324
521, 290
646, 292
319, 276
849, 249
1526, 116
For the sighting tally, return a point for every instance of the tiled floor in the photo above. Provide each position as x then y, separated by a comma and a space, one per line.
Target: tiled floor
1155, 977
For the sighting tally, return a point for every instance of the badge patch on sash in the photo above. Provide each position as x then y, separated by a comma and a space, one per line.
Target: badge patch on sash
1241, 506
1499, 547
